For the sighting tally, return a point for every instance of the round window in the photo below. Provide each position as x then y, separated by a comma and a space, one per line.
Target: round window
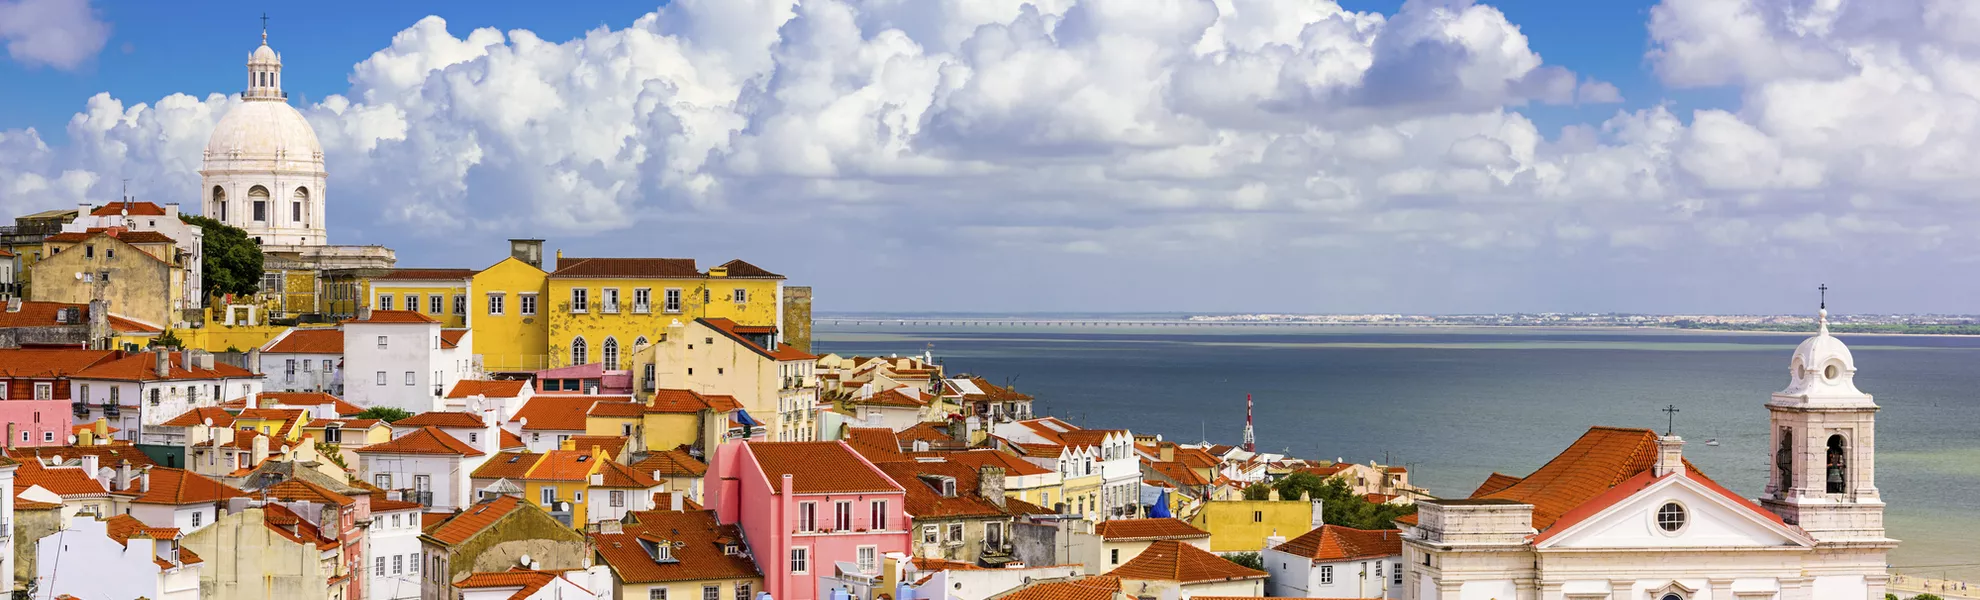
1671, 517
1831, 372
1672, 597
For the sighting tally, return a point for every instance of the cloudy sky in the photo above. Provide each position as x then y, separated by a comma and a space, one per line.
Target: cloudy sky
1090, 155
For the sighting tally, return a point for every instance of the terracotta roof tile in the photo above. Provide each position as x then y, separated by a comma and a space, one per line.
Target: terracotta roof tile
394, 316
491, 389
181, 487
616, 409
1170, 560
1012, 464
924, 431
1147, 529
729, 329
893, 398
199, 416
379, 505
142, 366
462, 525
877, 444
563, 465
1600, 459
924, 501
722, 402
507, 465
672, 463
738, 268
298, 490
510, 440
626, 267
1096, 587
63, 481
425, 440
818, 467
1181, 473
281, 520
425, 274
530, 581
138, 209
109, 455
621, 476
451, 338
44, 314
677, 401
1334, 543
1498, 481
556, 413
309, 399
309, 341
612, 445
698, 554
440, 418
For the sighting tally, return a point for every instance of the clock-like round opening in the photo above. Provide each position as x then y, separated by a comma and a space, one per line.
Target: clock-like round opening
1831, 372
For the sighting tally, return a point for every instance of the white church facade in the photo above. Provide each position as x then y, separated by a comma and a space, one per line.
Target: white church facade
1620, 515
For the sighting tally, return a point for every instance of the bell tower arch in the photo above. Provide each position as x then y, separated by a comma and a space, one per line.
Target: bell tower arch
1823, 449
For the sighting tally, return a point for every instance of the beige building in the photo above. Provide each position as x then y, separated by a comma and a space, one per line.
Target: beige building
267, 552
493, 535
1169, 568
772, 381
676, 554
1115, 542
140, 273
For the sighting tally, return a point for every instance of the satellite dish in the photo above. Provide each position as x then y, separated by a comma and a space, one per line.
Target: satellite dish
209, 421
72, 439
525, 560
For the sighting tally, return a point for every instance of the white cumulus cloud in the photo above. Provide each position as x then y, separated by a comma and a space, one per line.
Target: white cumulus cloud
56, 33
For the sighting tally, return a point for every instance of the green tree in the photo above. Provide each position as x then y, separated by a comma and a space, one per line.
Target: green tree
167, 339
385, 413
1249, 560
1927, 597
1339, 505
233, 260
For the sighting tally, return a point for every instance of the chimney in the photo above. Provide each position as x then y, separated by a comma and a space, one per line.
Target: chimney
198, 434
164, 359
186, 360
528, 250
1168, 452
260, 451
144, 481
14, 304
102, 428
99, 324
364, 313
254, 400
223, 436
1319, 515
597, 479
491, 434
83, 209
1670, 455
674, 500
206, 359
990, 484
171, 210
567, 444
123, 475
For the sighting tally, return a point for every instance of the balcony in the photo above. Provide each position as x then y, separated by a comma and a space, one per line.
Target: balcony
422, 498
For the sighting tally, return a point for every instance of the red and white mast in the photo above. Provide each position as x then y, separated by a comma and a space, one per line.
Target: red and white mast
1250, 443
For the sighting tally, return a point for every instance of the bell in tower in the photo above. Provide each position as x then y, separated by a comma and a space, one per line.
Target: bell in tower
1824, 441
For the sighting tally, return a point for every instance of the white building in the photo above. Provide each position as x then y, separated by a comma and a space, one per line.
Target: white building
1620, 514
305, 360
1332, 561
398, 358
518, 584
147, 562
1109, 452
146, 216
895, 409
392, 546
7, 515
427, 466
144, 389
263, 167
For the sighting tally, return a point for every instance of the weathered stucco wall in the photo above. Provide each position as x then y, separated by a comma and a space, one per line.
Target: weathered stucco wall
525, 531
245, 559
30, 526
797, 317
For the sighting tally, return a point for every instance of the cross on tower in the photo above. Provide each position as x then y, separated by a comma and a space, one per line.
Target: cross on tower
1824, 288
264, 29
1671, 412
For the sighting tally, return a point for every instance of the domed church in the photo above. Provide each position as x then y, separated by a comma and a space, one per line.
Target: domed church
263, 172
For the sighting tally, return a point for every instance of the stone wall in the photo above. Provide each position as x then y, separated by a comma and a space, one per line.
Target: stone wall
245, 559
29, 527
797, 317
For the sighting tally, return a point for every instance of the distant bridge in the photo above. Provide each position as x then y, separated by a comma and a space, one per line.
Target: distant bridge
1069, 323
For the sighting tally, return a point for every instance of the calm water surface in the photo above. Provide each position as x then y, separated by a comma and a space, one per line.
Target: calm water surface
1456, 404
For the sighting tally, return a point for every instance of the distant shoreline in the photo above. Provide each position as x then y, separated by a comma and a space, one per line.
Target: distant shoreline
929, 320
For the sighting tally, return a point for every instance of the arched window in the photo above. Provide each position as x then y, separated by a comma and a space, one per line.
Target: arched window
1838, 465
611, 354
219, 204
639, 344
1784, 460
578, 355
296, 205
259, 196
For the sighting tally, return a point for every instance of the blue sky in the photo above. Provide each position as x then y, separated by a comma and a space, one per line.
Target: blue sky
1299, 156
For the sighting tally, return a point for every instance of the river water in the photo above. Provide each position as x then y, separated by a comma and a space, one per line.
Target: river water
1456, 404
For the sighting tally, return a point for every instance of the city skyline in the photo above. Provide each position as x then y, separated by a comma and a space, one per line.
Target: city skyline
1679, 156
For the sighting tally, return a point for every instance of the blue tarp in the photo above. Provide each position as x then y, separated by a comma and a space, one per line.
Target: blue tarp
1160, 510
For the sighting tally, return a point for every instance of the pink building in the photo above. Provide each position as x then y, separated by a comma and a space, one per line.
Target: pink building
806, 507
35, 393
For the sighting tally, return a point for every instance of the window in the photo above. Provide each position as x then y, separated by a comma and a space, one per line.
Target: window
460, 304
528, 304
742, 590
384, 302
1395, 572
395, 521
659, 593
154, 396
1838, 461
412, 564
1326, 574
618, 498
46, 391
879, 521
378, 566
611, 354
673, 300
868, 558
398, 564
196, 518
326, 369
1114, 556
611, 297
741, 296
495, 303
580, 300
955, 532
295, 212
579, 355
549, 496
1378, 570
412, 302
433, 303
1670, 517
709, 592
807, 516
381, 378
381, 342
639, 343
929, 535
643, 303
1258, 516
800, 560
842, 513
409, 377
47, 436
705, 296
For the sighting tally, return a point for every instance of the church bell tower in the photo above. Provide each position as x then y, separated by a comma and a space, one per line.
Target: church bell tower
1823, 446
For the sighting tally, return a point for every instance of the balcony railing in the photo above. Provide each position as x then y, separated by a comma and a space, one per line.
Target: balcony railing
423, 498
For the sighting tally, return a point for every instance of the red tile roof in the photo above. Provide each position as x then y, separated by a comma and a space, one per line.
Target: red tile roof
925, 431
394, 316
180, 487
463, 525
1498, 481
530, 581
698, 554
1147, 529
1181, 473
290, 526
138, 209
1096, 587
738, 268
893, 398
620, 476
1334, 543
563, 465
379, 505
491, 389
616, 409
425, 440
425, 274
507, 465
200, 415
1170, 560
877, 444
309, 341
510, 440
729, 329
63, 481
626, 267
1012, 464
677, 401
556, 413
309, 399
295, 490
440, 418
924, 501
451, 338
611, 444
108, 455
818, 468
1600, 459
43, 314
142, 366
672, 463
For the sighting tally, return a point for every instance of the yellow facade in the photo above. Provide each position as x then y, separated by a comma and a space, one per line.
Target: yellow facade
689, 589
1043, 495
612, 426
507, 339
144, 281
1241, 525
562, 491
667, 431
273, 427
405, 294
215, 337
1081, 494
600, 322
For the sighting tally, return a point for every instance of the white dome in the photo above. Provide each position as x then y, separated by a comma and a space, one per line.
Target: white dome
264, 54
1822, 368
261, 129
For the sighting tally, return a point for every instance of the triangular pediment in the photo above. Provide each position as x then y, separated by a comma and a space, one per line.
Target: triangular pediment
1710, 518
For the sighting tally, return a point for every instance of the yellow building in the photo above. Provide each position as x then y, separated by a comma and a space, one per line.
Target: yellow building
677, 554
569, 483
1243, 525
438, 293
138, 272
510, 331
772, 381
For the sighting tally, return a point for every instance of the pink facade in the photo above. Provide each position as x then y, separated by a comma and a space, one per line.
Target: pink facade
36, 422
741, 490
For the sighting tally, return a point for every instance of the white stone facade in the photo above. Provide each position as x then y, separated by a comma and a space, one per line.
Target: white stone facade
392, 555
263, 167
